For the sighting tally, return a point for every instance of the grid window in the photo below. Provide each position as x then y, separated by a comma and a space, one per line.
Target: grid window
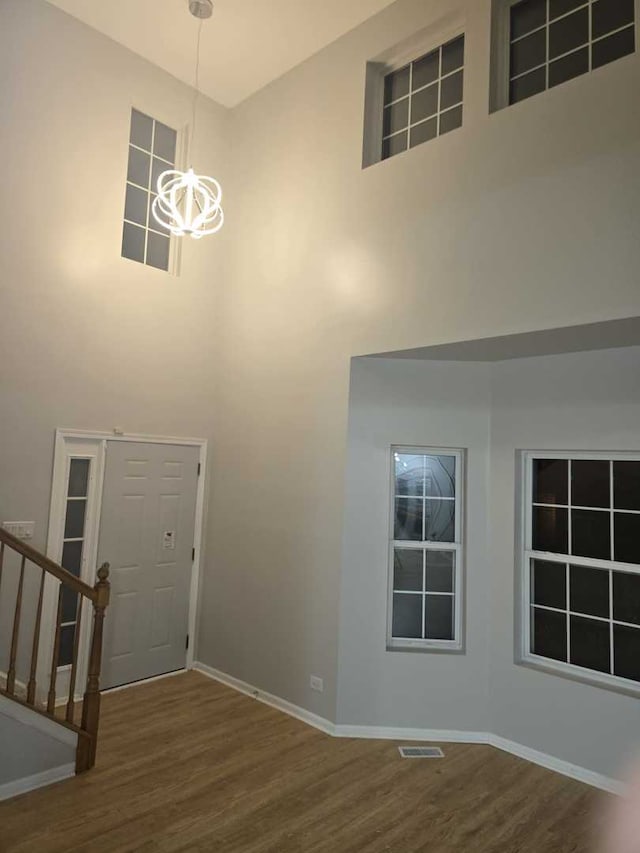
425, 556
423, 100
72, 552
152, 150
551, 41
582, 564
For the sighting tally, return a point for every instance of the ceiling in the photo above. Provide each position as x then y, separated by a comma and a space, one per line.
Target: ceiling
245, 44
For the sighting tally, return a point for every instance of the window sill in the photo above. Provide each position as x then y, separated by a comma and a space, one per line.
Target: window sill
582, 677
444, 647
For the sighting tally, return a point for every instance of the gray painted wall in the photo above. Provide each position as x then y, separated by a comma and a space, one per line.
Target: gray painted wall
511, 224
583, 401
88, 339
519, 221
577, 401
427, 404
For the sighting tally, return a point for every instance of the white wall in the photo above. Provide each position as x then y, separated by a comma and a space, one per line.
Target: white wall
583, 401
521, 220
411, 403
88, 339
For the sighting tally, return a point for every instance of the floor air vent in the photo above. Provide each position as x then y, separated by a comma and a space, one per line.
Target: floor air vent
421, 752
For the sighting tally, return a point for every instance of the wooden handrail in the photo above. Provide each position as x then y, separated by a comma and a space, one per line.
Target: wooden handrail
48, 565
98, 595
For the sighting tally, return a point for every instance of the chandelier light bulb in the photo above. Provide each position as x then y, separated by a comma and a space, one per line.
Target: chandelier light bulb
188, 204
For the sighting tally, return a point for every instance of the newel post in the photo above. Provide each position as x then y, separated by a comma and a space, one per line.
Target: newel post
86, 754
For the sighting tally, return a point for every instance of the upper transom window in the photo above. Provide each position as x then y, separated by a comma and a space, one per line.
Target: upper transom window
551, 41
152, 151
423, 99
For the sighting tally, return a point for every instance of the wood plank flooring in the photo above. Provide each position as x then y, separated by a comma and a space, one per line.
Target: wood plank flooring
187, 764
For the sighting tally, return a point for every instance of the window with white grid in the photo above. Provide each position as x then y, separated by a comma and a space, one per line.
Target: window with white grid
582, 565
423, 99
425, 572
551, 41
152, 151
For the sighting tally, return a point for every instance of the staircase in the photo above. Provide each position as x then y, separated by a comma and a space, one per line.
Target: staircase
33, 752
43, 736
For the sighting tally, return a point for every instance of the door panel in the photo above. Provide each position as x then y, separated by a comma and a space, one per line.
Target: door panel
146, 534
123, 618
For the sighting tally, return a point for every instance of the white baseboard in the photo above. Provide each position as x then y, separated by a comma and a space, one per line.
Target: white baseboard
400, 733
550, 762
268, 698
38, 780
574, 771
581, 774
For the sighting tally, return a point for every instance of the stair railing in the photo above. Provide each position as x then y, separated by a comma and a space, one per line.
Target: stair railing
98, 595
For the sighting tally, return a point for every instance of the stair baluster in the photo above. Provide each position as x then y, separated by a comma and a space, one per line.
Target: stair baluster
31, 686
51, 698
74, 662
11, 672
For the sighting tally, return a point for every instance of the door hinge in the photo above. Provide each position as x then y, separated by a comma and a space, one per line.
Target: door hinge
193, 554
199, 468
186, 645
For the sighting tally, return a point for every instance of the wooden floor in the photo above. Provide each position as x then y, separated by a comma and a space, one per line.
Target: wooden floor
186, 764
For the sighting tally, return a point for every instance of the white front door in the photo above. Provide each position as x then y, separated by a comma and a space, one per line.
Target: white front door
147, 526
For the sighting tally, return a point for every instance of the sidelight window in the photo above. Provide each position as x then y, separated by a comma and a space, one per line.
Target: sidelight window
73, 547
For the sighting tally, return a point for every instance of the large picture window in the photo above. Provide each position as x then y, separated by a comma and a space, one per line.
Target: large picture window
425, 586
582, 565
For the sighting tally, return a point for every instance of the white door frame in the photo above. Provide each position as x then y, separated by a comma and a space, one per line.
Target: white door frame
93, 443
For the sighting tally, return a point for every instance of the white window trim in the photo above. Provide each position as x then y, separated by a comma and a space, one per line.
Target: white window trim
457, 644
500, 52
420, 43
524, 655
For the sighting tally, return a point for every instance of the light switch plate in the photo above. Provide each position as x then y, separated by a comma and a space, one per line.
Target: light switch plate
20, 529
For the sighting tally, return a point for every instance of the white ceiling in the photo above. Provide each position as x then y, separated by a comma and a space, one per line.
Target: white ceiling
245, 44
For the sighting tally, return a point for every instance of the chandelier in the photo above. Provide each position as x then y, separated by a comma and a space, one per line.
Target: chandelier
188, 203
